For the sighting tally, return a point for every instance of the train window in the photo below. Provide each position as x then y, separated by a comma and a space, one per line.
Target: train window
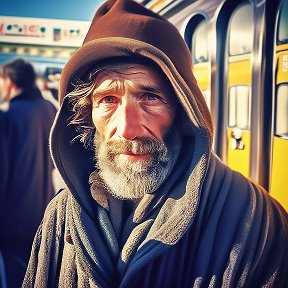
239, 107
283, 25
241, 31
281, 121
200, 43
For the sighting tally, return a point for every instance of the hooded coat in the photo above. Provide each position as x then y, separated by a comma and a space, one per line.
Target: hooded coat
206, 226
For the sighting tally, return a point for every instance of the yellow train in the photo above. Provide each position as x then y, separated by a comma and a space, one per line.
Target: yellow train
240, 60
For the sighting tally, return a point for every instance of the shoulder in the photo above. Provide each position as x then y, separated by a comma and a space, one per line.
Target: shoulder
240, 194
58, 202
47, 107
59, 198
56, 209
233, 181
248, 216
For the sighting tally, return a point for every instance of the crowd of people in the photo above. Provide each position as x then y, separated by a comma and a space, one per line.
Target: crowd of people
146, 201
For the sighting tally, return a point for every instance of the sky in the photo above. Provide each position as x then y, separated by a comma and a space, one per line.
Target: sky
56, 9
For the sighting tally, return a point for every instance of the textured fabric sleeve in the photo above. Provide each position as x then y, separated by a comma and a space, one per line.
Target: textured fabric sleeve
271, 257
46, 255
33, 262
259, 257
245, 232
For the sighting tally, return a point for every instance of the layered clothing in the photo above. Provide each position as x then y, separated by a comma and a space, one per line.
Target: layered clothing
206, 226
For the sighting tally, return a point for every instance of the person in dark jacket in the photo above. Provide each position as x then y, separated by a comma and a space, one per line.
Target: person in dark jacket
147, 202
25, 168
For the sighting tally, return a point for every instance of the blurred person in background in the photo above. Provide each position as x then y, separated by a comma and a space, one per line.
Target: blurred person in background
25, 167
46, 92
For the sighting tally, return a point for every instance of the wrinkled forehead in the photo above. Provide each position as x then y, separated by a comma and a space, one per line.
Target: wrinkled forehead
125, 71
137, 75
143, 71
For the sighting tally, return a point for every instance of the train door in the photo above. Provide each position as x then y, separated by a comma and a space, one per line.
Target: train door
239, 79
201, 61
279, 178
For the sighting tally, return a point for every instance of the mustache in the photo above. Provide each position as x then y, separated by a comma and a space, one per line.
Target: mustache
141, 145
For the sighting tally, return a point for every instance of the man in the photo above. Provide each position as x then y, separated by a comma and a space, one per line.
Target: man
147, 203
25, 167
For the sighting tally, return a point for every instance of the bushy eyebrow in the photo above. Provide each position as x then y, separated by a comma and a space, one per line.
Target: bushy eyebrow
106, 91
115, 88
150, 88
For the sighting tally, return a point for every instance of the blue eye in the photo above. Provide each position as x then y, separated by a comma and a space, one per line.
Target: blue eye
151, 97
109, 100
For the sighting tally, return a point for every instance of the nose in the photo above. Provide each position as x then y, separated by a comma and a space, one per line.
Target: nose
129, 122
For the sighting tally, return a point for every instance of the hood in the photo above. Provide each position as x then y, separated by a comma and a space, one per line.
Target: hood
126, 28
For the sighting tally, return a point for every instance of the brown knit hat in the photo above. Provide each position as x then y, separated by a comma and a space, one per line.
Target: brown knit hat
126, 28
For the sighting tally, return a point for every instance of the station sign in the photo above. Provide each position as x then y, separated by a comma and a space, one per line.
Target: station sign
42, 31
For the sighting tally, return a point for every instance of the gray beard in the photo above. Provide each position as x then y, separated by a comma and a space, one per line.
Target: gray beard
133, 179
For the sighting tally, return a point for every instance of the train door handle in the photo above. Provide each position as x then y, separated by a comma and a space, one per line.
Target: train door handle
237, 141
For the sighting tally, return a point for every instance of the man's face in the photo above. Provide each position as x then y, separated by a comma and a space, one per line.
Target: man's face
136, 103
5, 88
133, 111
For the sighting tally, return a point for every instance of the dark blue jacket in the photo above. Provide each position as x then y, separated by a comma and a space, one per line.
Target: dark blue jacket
25, 174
